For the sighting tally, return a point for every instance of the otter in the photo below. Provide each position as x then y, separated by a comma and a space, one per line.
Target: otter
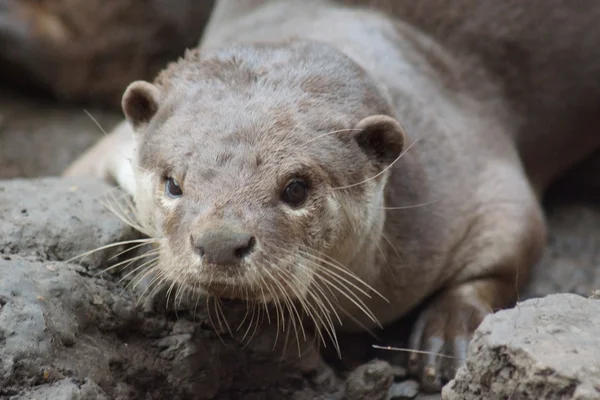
87, 52
361, 157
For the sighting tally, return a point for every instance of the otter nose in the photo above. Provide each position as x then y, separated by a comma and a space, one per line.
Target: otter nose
223, 246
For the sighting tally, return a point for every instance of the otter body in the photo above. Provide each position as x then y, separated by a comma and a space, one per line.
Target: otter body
307, 141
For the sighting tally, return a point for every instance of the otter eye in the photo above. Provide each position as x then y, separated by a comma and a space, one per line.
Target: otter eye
295, 193
172, 188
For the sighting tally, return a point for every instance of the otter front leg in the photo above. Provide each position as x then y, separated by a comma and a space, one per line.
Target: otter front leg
110, 159
497, 257
445, 327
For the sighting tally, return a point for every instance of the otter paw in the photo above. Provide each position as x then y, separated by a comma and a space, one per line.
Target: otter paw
443, 330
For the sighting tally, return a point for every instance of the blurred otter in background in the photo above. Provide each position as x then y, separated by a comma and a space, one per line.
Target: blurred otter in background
89, 51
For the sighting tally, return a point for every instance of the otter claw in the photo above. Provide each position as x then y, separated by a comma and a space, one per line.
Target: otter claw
441, 335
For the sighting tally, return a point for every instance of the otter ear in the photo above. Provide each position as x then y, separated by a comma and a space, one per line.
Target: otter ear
381, 138
140, 102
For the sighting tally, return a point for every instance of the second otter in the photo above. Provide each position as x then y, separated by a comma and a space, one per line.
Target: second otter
341, 158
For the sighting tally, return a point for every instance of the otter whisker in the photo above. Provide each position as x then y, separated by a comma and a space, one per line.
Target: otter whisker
346, 293
292, 311
158, 281
241, 324
198, 296
318, 287
208, 298
153, 286
431, 353
143, 265
120, 210
179, 293
411, 206
358, 323
332, 274
128, 262
169, 291
142, 275
258, 323
390, 268
137, 246
215, 300
249, 324
246, 314
334, 264
115, 204
95, 121
384, 170
108, 246
290, 308
313, 313
389, 242
329, 287
277, 309
125, 209
330, 133
305, 306
220, 310
264, 299
328, 323
356, 301
294, 129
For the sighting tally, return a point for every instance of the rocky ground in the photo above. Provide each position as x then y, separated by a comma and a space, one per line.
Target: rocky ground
67, 332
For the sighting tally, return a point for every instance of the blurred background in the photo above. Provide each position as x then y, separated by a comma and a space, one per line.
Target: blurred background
62, 61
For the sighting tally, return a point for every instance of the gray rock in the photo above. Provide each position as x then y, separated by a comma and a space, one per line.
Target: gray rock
65, 389
58, 219
546, 348
399, 372
42, 137
65, 335
370, 381
404, 390
571, 261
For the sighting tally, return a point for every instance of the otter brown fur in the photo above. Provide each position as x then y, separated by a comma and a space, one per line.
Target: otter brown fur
417, 154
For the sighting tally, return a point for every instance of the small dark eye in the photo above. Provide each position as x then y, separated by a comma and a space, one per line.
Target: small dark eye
295, 193
172, 188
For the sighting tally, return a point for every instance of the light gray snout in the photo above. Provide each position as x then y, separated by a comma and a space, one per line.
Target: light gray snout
222, 246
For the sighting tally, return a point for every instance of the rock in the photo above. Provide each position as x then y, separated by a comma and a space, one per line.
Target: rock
39, 137
399, 372
65, 389
545, 348
58, 342
370, 381
57, 219
571, 261
403, 391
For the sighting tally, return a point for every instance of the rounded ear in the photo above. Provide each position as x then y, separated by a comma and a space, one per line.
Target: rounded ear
381, 137
140, 102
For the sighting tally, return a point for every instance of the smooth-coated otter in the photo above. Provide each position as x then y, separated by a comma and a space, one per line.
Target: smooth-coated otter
361, 159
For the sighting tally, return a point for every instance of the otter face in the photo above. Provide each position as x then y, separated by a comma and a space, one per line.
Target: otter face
254, 165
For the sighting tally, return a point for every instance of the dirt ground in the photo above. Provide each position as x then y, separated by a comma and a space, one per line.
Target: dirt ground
39, 138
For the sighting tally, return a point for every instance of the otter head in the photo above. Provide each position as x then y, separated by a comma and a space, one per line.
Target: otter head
262, 168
